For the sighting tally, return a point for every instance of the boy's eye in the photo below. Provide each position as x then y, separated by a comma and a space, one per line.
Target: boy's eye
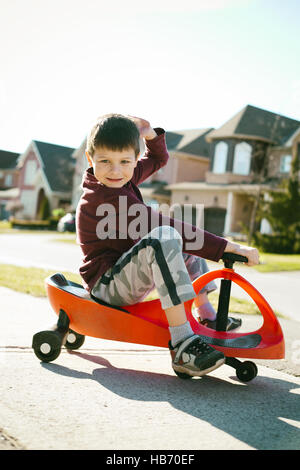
124, 162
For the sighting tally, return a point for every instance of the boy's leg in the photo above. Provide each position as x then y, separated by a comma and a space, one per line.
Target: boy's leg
196, 267
203, 308
157, 261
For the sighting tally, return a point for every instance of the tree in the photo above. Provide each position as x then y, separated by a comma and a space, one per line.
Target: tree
282, 211
259, 167
260, 170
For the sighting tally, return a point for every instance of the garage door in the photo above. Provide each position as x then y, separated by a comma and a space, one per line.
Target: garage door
214, 220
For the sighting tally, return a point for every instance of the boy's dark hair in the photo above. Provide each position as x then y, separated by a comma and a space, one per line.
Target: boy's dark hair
114, 132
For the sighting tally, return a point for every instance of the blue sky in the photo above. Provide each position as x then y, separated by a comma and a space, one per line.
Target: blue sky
191, 64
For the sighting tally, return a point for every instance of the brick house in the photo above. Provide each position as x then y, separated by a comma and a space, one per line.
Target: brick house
189, 161
251, 152
8, 180
45, 179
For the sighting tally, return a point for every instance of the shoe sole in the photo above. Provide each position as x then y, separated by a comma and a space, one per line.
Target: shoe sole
233, 330
200, 373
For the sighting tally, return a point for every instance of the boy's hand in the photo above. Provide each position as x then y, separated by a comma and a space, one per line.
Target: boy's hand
251, 253
146, 131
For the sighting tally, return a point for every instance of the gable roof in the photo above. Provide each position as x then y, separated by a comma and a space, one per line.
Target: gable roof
58, 165
8, 160
289, 142
191, 141
259, 124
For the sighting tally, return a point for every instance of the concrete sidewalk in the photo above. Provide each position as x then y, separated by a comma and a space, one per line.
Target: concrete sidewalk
111, 395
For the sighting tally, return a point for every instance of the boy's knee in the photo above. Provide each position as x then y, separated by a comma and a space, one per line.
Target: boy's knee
164, 240
166, 233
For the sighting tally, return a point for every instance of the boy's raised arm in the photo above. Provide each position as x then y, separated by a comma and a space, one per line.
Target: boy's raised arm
156, 155
146, 131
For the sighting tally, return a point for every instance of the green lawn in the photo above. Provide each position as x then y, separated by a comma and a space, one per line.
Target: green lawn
271, 262
239, 306
57, 236
31, 281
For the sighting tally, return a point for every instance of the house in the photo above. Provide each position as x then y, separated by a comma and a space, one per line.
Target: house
45, 179
250, 153
8, 180
189, 161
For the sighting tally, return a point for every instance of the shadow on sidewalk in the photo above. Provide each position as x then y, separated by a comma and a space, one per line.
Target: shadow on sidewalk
263, 413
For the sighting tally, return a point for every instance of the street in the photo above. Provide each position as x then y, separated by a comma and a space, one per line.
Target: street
281, 290
39, 250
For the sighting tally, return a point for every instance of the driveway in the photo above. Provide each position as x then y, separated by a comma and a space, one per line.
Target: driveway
111, 395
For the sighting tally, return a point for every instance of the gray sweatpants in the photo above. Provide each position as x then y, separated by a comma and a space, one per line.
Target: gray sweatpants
156, 261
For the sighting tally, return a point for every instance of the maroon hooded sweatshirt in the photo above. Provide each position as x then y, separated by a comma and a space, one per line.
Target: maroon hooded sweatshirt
100, 249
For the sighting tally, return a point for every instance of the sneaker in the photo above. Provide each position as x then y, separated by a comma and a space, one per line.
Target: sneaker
232, 323
195, 357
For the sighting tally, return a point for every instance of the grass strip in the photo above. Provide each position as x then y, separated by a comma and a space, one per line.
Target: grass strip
31, 280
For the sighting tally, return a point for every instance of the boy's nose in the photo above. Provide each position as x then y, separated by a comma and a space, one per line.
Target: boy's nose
115, 168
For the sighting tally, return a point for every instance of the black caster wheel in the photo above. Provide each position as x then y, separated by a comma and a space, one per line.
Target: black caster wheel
182, 375
246, 371
46, 345
74, 340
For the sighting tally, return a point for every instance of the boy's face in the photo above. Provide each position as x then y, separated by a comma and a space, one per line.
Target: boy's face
113, 168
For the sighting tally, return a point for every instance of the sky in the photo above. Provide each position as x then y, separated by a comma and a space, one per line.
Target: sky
179, 64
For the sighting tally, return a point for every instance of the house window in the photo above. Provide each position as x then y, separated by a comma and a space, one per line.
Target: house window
8, 179
220, 158
30, 171
242, 159
285, 163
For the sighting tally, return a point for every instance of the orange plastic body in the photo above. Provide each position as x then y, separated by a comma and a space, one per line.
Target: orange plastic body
146, 322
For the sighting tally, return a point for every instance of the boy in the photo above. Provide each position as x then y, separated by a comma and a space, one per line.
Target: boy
129, 248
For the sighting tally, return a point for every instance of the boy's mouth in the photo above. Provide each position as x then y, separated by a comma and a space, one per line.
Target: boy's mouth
114, 180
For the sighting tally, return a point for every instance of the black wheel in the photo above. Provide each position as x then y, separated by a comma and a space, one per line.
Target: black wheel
74, 340
246, 371
182, 375
46, 345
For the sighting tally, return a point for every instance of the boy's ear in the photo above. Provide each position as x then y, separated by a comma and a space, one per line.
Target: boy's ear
89, 158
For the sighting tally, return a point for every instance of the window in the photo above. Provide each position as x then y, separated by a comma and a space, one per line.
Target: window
285, 163
220, 158
242, 159
30, 171
8, 179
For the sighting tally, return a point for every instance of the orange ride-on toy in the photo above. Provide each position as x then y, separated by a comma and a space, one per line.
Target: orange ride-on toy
80, 315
